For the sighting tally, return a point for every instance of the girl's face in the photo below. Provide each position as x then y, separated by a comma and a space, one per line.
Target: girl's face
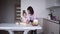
25, 15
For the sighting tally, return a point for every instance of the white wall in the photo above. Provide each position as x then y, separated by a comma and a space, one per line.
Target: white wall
38, 6
50, 3
58, 2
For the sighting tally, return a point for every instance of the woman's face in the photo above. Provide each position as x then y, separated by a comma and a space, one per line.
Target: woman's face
28, 11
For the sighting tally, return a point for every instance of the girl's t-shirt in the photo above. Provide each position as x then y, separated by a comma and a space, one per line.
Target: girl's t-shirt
24, 19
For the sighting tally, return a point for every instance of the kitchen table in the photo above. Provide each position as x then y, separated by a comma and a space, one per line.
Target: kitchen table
10, 27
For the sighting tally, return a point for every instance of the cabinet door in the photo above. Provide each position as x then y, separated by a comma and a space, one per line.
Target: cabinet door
50, 27
45, 26
53, 28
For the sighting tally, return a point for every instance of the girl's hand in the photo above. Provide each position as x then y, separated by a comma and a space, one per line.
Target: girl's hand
27, 22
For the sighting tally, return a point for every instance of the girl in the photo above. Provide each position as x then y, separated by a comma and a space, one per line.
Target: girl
24, 16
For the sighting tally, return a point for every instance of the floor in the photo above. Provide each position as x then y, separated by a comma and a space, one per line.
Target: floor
15, 32
21, 32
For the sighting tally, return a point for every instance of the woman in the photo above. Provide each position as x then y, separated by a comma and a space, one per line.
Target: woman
30, 14
31, 17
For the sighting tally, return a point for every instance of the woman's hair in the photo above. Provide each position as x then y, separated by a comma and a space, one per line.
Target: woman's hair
24, 12
30, 10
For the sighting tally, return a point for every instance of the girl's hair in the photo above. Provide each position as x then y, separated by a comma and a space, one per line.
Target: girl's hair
30, 10
24, 12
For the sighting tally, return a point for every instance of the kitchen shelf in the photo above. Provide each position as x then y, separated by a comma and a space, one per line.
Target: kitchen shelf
17, 10
53, 7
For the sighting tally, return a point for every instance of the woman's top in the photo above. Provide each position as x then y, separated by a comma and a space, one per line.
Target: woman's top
31, 18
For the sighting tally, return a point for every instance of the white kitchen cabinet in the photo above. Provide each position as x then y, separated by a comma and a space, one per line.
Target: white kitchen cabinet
51, 3
53, 28
50, 27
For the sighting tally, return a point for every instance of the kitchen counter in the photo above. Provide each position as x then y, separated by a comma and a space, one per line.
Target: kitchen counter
53, 21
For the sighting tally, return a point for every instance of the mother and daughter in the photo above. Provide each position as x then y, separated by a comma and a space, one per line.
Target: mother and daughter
28, 17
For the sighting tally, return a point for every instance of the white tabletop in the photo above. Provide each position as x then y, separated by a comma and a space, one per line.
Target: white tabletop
13, 26
10, 27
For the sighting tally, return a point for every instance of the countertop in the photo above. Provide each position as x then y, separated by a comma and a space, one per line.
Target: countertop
54, 21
